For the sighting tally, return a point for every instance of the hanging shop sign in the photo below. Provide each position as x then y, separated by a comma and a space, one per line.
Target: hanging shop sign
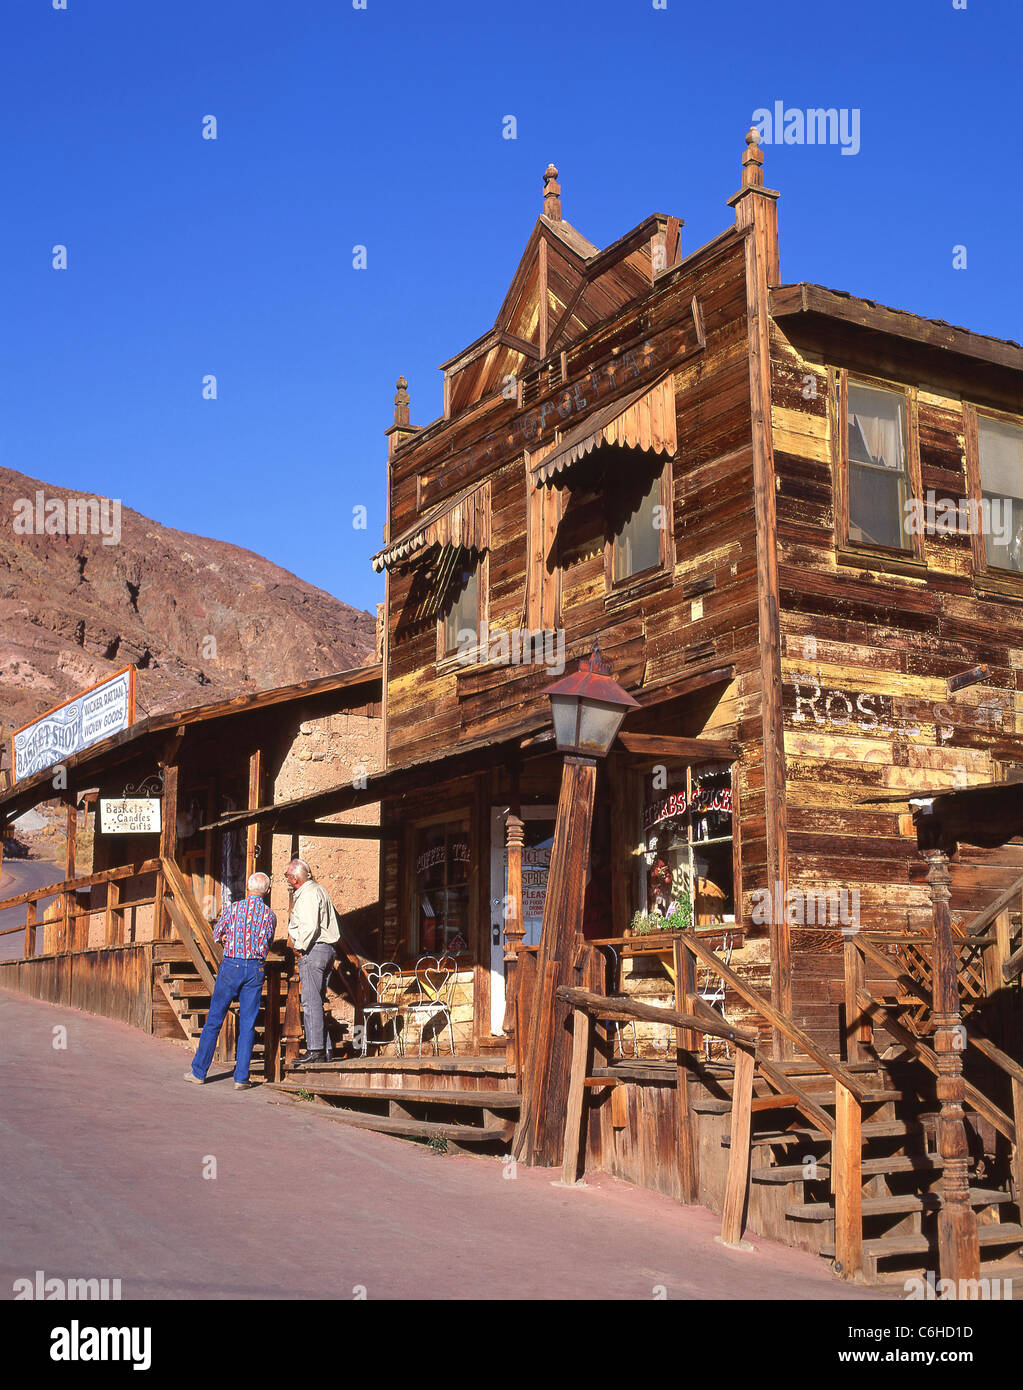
129, 815
95, 714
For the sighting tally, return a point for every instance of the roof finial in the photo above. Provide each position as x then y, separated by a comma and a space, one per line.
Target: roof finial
401, 413
551, 194
752, 161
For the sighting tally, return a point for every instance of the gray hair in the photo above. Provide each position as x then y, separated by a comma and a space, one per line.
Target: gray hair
258, 883
302, 865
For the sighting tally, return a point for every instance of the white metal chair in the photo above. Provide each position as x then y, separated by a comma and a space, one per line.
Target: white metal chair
435, 983
712, 992
386, 984
614, 1023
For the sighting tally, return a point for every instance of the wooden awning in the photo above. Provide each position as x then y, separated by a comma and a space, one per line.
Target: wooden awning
461, 522
643, 420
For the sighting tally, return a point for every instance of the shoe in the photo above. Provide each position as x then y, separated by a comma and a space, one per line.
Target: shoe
304, 1058
244, 1085
191, 1076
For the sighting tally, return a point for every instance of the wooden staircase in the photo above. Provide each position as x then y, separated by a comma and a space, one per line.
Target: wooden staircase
449, 1102
186, 996
900, 1171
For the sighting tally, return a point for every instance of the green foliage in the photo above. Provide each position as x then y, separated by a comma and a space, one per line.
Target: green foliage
679, 917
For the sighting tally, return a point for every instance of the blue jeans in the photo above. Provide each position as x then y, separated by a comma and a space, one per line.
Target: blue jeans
236, 979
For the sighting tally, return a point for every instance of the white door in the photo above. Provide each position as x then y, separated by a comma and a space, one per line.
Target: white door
536, 862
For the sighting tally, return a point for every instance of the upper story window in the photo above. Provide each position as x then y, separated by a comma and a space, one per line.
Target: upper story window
638, 545
1000, 457
458, 623
878, 473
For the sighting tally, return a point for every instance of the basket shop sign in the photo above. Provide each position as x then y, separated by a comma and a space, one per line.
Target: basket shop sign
129, 815
95, 714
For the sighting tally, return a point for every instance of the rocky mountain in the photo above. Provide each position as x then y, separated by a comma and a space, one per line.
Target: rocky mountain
199, 619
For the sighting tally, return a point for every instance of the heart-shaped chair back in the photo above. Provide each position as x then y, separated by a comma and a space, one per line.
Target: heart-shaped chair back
435, 976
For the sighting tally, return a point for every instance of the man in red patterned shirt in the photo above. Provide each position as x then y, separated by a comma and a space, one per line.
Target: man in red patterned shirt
247, 929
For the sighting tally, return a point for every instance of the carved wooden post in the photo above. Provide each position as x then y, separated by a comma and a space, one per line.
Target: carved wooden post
958, 1245
514, 931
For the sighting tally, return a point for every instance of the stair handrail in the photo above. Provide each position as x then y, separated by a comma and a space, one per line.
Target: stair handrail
983, 919
774, 1016
990, 1050
192, 927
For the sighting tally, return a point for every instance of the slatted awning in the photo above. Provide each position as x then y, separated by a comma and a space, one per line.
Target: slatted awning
461, 522
643, 420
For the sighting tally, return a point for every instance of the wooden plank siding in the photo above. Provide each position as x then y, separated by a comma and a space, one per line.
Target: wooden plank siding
888, 641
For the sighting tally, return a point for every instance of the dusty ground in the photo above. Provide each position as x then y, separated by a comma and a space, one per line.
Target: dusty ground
103, 1150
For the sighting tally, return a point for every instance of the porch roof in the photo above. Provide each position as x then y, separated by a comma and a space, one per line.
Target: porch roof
643, 420
152, 732
988, 815
530, 737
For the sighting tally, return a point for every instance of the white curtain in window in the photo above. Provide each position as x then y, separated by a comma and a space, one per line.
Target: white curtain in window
1001, 458
878, 416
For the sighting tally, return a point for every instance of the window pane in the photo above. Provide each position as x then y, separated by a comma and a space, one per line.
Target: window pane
442, 887
463, 614
1001, 484
878, 481
637, 545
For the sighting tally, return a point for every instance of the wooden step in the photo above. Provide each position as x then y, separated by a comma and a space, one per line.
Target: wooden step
895, 1206
469, 1065
925, 1165
1002, 1233
871, 1129
414, 1129
328, 1086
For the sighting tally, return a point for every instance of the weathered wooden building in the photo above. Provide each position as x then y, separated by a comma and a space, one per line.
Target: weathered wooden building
787, 517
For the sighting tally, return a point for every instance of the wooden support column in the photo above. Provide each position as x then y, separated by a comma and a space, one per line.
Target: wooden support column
857, 1030
540, 1135
958, 1244
272, 1024
847, 1181
68, 900
254, 802
574, 1139
687, 1153
514, 931
168, 845
737, 1183
756, 214
113, 919
31, 909
292, 1011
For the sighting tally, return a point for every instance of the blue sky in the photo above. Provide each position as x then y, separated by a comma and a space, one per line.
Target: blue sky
382, 127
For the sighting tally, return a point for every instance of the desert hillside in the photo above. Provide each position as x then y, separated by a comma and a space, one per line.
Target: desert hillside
199, 619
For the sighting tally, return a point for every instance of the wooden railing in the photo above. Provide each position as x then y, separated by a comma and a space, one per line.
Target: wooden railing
173, 893
70, 914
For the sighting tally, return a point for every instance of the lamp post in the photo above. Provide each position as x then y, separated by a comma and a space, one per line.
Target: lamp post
587, 708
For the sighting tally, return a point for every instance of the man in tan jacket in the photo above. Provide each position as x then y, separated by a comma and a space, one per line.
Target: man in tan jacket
314, 933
